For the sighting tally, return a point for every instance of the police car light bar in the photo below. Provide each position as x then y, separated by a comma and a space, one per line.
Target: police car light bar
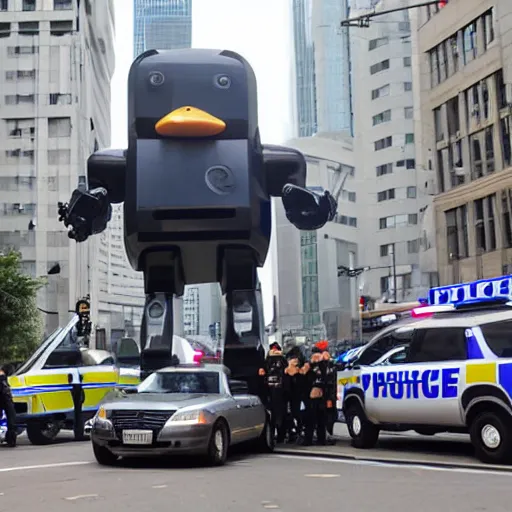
484, 291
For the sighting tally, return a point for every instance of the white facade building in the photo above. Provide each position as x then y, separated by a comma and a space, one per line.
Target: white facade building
56, 62
309, 294
393, 196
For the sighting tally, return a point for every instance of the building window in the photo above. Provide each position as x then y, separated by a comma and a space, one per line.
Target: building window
434, 68
383, 117
381, 92
413, 246
15, 51
409, 138
384, 284
411, 192
489, 200
452, 234
410, 163
386, 195
412, 219
407, 62
506, 141
4, 5
506, 201
469, 42
60, 28
29, 5
377, 43
381, 170
489, 150
386, 222
60, 99
385, 250
26, 74
28, 28
384, 143
481, 245
477, 166
59, 157
409, 112
20, 99
62, 5
17, 128
352, 197
488, 27
407, 86
501, 89
442, 59
380, 66
59, 127
453, 116
454, 49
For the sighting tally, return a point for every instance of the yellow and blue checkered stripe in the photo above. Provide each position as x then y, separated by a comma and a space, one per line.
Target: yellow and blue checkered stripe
52, 388
490, 373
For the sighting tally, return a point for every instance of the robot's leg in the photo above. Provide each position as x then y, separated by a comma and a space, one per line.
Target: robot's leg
162, 280
243, 353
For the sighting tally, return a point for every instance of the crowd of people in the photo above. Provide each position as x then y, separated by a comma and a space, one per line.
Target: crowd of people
300, 394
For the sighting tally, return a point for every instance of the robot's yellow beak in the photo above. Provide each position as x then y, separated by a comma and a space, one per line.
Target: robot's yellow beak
189, 122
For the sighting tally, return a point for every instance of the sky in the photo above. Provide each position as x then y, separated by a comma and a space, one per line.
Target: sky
261, 32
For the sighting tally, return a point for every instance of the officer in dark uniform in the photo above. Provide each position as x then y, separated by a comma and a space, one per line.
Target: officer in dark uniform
330, 389
273, 372
7, 406
294, 390
316, 402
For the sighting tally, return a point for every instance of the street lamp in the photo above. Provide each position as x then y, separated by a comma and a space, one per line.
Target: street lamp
354, 273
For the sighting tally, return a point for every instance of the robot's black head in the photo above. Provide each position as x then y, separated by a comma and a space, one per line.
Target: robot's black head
192, 94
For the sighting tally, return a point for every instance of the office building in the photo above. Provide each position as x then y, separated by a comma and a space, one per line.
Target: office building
393, 197
322, 72
310, 298
465, 62
162, 24
56, 62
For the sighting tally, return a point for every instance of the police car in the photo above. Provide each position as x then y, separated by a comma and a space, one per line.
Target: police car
453, 375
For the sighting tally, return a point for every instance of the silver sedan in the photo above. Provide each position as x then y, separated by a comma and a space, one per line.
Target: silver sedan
193, 410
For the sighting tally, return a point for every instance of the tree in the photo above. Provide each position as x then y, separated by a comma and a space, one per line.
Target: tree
20, 319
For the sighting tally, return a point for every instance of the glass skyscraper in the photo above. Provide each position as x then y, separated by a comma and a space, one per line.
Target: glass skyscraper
304, 67
162, 25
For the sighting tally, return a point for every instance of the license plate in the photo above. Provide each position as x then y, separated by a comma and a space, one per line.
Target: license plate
137, 436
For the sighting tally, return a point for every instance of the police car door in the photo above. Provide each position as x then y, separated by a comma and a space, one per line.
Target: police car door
374, 379
423, 390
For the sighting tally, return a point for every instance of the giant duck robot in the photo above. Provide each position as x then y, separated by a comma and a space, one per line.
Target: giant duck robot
196, 183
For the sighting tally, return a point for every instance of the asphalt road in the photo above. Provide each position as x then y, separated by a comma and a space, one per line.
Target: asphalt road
64, 477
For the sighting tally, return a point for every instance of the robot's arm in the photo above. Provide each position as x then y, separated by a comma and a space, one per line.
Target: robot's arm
89, 211
285, 175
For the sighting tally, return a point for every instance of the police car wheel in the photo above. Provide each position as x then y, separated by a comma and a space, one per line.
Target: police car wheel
103, 455
491, 436
40, 434
218, 445
364, 434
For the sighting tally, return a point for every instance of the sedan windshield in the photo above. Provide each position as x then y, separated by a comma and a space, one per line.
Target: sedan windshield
181, 382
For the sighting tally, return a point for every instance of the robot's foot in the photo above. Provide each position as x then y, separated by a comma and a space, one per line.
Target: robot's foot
308, 210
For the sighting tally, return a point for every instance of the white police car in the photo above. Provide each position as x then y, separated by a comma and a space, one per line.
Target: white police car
456, 375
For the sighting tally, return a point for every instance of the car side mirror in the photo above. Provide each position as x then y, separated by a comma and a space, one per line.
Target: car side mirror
131, 391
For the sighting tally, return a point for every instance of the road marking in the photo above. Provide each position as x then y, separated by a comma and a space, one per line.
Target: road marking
45, 466
320, 475
406, 466
159, 486
269, 504
81, 497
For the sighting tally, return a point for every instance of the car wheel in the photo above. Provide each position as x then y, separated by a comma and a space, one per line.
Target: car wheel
364, 434
218, 445
491, 435
41, 434
103, 455
266, 441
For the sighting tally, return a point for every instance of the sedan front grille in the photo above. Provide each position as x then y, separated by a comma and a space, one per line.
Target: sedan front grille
140, 420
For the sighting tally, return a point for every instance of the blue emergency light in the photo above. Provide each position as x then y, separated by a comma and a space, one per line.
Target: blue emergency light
498, 289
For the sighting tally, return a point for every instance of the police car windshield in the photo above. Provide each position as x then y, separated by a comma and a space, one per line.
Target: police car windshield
181, 382
35, 356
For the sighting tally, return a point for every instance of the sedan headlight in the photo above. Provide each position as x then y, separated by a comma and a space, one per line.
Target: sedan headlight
103, 414
195, 417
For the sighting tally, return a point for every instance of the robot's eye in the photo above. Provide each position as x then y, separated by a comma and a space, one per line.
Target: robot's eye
156, 78
223, 81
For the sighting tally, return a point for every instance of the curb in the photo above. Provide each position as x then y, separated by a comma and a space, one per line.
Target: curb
393, 460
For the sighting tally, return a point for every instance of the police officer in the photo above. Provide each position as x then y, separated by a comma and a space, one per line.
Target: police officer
316, 399
330, 389
274, 373
294, 396
7, 406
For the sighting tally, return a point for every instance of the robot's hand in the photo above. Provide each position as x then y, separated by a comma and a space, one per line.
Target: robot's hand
308, 210
88, 213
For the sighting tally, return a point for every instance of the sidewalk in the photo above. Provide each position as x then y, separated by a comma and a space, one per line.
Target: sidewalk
441, 450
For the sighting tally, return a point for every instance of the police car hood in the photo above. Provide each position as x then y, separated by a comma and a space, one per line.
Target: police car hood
160, 401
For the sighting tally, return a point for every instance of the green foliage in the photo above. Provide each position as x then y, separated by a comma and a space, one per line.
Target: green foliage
20, 319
